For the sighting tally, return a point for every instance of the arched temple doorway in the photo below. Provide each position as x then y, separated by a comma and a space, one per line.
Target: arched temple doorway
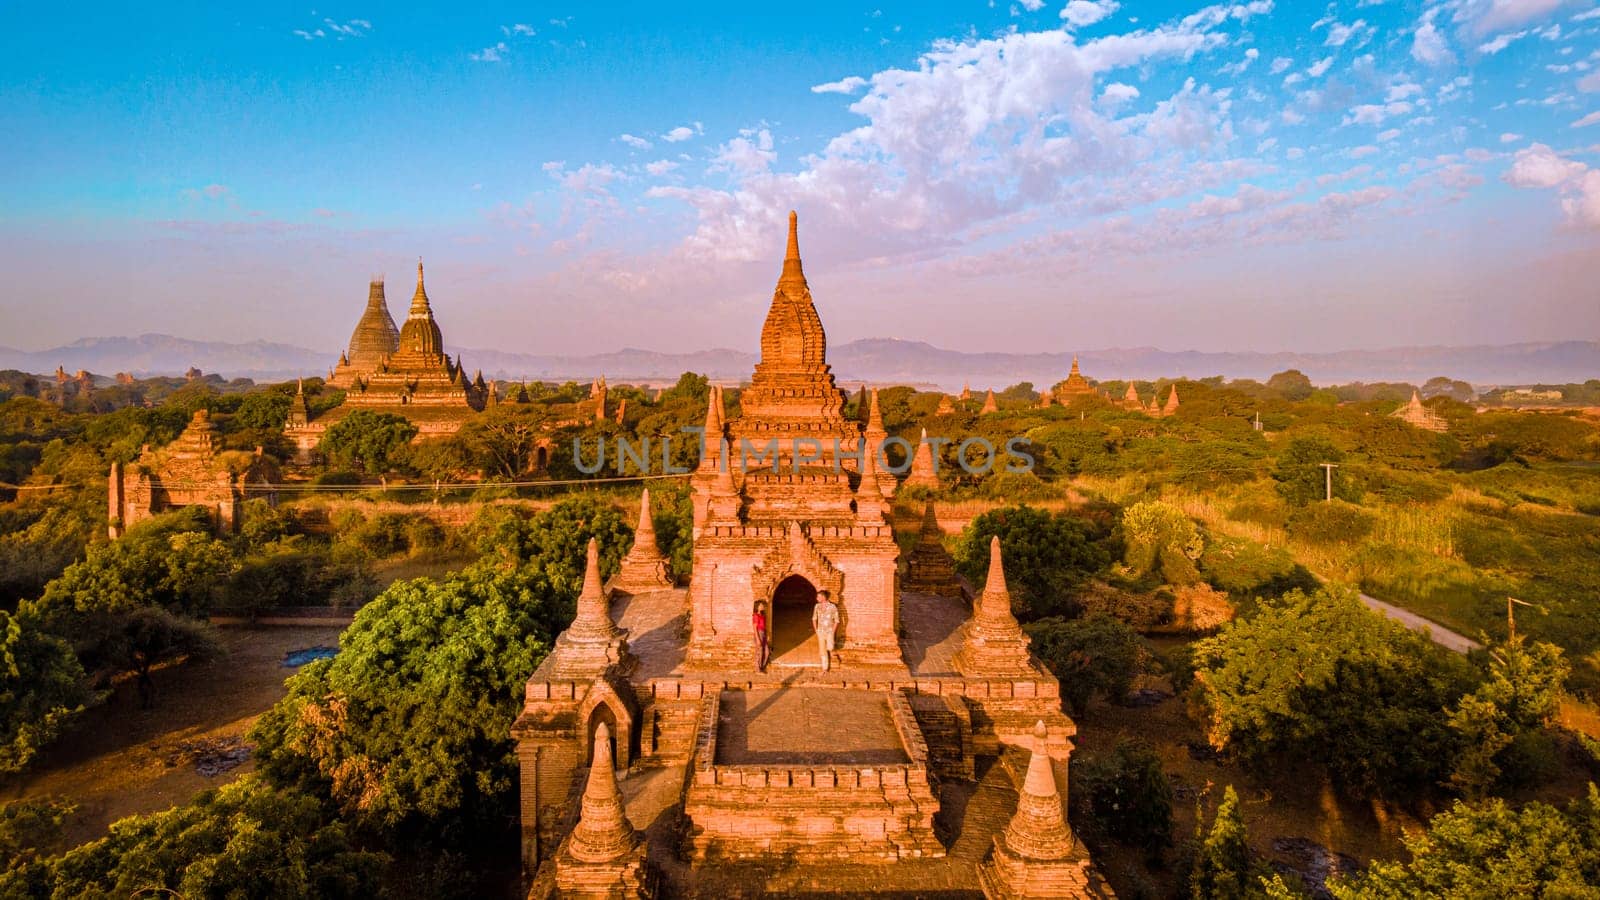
602, 713
793, 641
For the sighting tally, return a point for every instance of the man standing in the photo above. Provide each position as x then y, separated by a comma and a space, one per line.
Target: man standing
758, 621
825, 620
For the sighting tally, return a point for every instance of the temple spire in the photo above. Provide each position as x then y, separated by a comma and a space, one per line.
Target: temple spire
869, 494
995, 644
593, 620
419, 300
792, 273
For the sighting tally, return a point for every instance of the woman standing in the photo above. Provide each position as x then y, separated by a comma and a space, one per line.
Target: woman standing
763, 650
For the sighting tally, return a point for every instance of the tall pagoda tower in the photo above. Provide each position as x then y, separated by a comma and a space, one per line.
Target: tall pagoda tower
374, 339
782, 506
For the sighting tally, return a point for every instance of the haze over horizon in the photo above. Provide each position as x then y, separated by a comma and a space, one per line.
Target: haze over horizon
1023, 177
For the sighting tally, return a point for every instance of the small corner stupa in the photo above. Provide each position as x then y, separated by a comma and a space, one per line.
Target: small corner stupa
592, 643
989, 404
946, 408
644, 568
995, 645
604, 856
1037, 856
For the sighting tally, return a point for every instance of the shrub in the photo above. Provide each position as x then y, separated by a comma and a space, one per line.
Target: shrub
1335, 522
1126, 795
1095, 656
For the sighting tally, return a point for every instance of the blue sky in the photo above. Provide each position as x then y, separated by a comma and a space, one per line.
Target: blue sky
1029, 176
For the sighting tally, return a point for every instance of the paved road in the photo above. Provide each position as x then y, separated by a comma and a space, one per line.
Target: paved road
1441, 635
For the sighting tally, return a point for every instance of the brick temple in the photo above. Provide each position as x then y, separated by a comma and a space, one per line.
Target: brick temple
929, 759
402, 371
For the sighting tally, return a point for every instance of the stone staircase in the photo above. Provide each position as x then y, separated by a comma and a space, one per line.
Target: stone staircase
947, 727
988, 810
668, 732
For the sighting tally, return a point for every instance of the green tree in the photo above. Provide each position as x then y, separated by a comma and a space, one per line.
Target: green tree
1442, 386
1159, 539
406, 728
29, 826
1291, 384
1320, 679
263, 411
1093, 656
1491, 851
1520, 696
1126, 795
42, 690
554, 542
1300, 476
246, 840
1223, 869
99, 604
503, 442
1046, 557
374, 441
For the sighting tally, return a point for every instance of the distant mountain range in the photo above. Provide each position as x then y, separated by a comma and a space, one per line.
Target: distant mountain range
877, 360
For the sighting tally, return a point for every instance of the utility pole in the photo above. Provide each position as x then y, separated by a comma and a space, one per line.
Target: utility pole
1511, 618
1327, 471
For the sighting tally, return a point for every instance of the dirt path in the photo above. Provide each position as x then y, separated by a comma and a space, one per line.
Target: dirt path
121, 760
1441, 635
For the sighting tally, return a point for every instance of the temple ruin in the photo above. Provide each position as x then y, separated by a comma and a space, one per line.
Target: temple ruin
657, 759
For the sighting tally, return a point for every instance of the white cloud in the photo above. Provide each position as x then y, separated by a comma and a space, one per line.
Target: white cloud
1267, 145
1590, 119
1290, 117
1239, 67
353, 28
1389, 135
1402, 90
1510, 138
843, 86
1587, 15
490, 54
1079, 13
1480, 18
1320, 67
1429, 45
1375, 113
1582, 205
1032, 5
979, 133
660, 167
1293, 78
1363, 151
1340, 34
1538, 166
1280, 64
749, 155
681, 133
1294, 153
1590, 83
1116, 94
637, 143
520, 29
1500, 42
